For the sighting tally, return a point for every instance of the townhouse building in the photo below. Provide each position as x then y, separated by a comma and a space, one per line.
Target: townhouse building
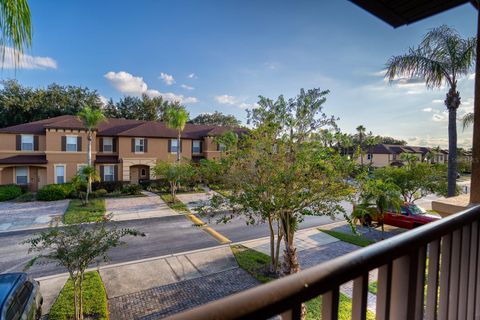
54, 150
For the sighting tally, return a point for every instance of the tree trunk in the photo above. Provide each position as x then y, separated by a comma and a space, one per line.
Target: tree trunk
452, 102
75, 298
272, 244
80, 298
89, 162
279, 241
179, 147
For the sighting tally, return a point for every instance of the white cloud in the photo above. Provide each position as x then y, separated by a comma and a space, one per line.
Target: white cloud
103, 100
187, 87
437, 101
226, 99
192, 76
245, 106
471, 76
167, 78
380, 73
272, 65
14, 59
129, 84
429, 109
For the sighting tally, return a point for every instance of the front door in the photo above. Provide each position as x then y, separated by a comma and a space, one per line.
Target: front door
33, 179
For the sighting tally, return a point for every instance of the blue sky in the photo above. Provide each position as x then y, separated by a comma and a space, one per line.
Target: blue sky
220, 55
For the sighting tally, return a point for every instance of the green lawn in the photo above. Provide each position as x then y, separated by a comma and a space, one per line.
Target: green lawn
177, 205
357, 240
256, 263
77, 212
94, 300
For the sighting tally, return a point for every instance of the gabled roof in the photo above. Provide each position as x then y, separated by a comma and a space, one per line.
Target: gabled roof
122, 128
397, 149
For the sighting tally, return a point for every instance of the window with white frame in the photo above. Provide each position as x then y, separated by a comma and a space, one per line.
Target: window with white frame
27, 142
139, 145
21, 175
196, 146
60, 174
173, 145
108, 173
71, 143
107, 144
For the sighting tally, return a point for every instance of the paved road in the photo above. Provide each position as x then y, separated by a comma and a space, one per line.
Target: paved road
164, 236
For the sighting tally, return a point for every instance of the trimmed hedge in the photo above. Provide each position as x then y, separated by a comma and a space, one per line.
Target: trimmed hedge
110, 186
10, 192
132, 189
52, 192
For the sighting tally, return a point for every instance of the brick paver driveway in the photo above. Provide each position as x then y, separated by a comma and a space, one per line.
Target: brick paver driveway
131, 208
30, 215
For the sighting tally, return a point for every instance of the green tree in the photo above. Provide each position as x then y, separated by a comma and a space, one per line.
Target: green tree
415, 180
361, 136
143, 108
91, 118
216, 119
76, 247
371, 141
442, 58
467, 120
175, 173
20, 104
176, 118
16, 27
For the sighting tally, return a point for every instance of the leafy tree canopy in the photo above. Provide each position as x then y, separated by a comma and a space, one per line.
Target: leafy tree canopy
216, 118
20, 104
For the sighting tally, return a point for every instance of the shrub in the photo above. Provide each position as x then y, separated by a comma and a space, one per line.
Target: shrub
26, 197
110, 186
100, 193
52, 192
132, 189
9, 192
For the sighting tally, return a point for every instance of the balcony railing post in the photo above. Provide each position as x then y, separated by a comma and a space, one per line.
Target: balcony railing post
419, 283
359, 298
402, 274
472, 271
445, 277
330, 305
432, 281
464, 274
454, 275
384, 283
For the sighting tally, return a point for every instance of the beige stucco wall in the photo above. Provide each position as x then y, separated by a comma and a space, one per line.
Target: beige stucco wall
8, 145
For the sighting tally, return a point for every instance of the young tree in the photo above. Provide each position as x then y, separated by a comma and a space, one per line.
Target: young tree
91, 118
416, 180
217, 119
176, 118
76, 247
175, 174
442, 58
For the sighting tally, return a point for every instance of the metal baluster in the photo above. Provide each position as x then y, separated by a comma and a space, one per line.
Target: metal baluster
472, 271
432, 281
359, 299
454, 275
330, 305
464, 276
384, 283
445, 257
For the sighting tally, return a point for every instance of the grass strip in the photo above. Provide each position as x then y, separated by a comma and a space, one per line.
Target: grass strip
77, 212
257, 264
94, 300
357, 240
177, 205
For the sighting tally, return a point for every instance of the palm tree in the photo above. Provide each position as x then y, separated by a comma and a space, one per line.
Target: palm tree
176, 117
91, 118
371, 141
16, 27
361, 134
442, 58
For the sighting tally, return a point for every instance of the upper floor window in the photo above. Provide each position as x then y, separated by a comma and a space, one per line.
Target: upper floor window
369, 156
173, 145
21, 175
71, 143
107, 144
196, 146
139, 145
27, 142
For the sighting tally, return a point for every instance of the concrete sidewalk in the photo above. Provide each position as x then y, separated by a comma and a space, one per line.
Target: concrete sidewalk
132, 208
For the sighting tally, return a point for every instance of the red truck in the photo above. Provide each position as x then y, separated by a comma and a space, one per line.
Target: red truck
409, 217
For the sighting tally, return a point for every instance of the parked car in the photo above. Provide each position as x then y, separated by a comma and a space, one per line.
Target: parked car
409, 217
20, 297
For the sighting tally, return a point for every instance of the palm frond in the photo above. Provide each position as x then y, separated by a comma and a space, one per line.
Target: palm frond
15, 26
417, 63
467, 120
466, 56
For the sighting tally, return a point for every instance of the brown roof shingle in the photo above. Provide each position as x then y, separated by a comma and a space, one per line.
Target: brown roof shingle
25, 159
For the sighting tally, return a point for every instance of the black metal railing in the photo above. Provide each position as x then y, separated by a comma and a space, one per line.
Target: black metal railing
431, 272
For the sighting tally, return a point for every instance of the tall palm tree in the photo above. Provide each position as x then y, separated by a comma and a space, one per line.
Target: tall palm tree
361, 134
176, 117
441, 58
91, 118
15, 28
467, 120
